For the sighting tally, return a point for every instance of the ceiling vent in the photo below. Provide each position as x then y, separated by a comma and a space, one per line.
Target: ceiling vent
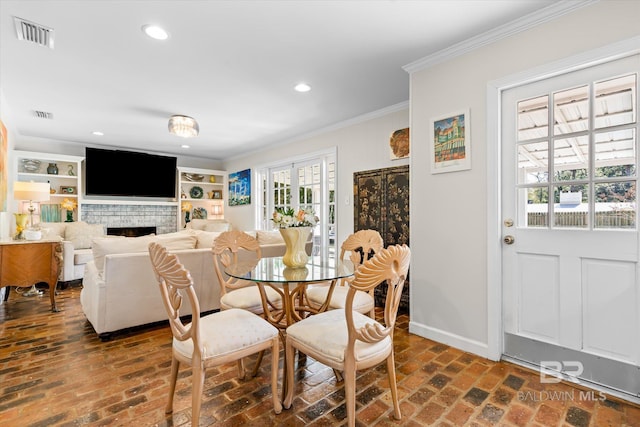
43, 115
34, 33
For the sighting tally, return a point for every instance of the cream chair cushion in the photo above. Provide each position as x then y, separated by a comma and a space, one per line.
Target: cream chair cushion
328, 333
248, 298
363, 302
241, 329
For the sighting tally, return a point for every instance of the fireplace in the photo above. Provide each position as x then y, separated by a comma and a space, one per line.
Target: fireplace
130, 231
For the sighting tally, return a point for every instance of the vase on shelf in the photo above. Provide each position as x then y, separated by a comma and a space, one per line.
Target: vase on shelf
295, 239
52, 169
69, 216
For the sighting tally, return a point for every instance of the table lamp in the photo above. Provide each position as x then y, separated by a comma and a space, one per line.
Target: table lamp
32, 192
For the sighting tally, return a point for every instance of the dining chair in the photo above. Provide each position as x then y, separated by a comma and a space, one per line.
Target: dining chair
211, 340
229, 248
358, 247
347, 340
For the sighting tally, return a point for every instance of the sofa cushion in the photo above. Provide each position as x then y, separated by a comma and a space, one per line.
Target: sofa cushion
53, 230
82, 256
205, 238
106, 246
217, 225
82, 234
269, 237
172, 241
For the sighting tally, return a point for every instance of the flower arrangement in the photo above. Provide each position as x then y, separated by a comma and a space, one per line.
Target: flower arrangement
288, 217
70, 205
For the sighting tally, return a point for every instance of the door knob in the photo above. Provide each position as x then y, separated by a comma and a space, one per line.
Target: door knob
509, 240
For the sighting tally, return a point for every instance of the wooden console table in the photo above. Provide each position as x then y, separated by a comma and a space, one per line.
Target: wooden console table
25, 263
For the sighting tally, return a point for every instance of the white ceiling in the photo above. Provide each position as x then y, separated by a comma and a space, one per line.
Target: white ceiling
231, 65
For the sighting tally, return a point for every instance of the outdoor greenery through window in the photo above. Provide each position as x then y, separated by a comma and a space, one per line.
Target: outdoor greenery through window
305, 184
581, 172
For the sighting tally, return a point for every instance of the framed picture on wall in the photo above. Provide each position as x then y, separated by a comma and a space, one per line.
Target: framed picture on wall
240, 188
450, 144
399, 144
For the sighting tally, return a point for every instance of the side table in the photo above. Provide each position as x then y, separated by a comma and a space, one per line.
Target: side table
23, 263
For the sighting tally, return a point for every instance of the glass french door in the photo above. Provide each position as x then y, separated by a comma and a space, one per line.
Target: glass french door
303, 184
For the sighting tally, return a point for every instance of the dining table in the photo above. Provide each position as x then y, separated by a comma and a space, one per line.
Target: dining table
291, 284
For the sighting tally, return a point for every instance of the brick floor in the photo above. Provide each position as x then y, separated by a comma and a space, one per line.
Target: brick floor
54, 371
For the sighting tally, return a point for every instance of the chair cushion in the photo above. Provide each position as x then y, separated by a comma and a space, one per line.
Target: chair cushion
326, 333
228, 331
248, 298
363, 302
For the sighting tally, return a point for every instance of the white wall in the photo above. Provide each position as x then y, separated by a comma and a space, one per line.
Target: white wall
362, 144
449, 222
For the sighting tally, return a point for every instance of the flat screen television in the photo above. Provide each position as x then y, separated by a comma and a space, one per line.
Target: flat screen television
129, 174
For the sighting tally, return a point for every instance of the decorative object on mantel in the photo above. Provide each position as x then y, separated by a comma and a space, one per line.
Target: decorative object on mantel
71, 172
295, 228
212, 179
183, 126
69, 205
186, 208
52, 169
196, 192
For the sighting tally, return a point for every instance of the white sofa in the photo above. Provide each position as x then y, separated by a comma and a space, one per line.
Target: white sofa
120, 290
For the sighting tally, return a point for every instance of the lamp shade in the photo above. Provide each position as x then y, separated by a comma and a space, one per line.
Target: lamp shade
32, 191
183, 126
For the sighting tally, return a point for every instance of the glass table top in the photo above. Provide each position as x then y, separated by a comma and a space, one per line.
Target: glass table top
273, 270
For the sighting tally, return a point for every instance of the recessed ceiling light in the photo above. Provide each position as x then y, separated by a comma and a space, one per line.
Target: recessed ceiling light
184, 146
302, 87
155, 32
97, 133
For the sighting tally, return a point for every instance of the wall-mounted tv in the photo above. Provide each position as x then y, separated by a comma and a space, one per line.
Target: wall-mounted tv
129, 174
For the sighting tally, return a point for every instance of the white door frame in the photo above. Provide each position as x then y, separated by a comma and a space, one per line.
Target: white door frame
494, 222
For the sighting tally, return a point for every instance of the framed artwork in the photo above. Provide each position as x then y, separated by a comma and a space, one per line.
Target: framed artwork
216, 194
3, 168
399, 144
450, 142
240, 188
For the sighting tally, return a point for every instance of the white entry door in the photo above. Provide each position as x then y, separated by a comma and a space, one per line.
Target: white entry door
571, 294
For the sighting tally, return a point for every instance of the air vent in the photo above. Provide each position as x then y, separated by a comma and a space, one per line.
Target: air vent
34, 33
43, 115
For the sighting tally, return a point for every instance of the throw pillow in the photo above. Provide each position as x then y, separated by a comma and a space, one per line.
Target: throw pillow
106, 246
205, 238
210, 225
53, 230
269, 237
177, 241
81, 234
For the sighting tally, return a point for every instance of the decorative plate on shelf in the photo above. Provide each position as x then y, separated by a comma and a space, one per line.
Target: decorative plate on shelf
199, 213
196, 192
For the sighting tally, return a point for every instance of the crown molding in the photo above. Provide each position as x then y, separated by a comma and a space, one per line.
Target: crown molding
522, 24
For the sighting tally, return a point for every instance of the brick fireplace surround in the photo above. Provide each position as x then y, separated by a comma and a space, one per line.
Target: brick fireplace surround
163, 217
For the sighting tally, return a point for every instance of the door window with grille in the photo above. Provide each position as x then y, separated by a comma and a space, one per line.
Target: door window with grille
577, 156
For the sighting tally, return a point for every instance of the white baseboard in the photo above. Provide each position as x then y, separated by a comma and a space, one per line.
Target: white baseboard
462, 343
